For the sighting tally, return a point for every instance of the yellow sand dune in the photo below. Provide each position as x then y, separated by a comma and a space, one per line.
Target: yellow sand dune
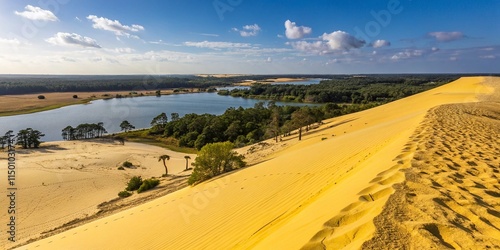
316, 192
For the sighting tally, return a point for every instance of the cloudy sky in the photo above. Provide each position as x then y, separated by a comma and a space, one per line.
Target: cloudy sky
249, 36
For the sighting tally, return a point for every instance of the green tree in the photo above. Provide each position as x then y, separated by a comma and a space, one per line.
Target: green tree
215, 159
175, 116
301, 118
164, 158
187, 157
273, 128
29, 138
158, 123
125, 125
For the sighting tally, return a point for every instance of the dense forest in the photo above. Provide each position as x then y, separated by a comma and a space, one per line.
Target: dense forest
245, 126
346, 90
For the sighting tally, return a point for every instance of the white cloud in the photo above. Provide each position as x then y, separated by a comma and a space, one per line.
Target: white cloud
248, 30
447, 36
207, 34
124, 50
340, 40
269, 60
72, 39
292, 31
488, 57
380, 43
407, 54
114, 26
217, 45
329, 43
37, 13
13, 41
317, 47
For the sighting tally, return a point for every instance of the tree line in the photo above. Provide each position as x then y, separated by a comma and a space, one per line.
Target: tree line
246, 126
83, 131
26, 138
345, 90
27, 85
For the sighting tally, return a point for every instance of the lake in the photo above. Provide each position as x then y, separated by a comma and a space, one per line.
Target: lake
139, 111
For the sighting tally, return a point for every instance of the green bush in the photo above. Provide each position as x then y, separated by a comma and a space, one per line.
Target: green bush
134, 183
124, 194
127, 164
215, 159
148, 184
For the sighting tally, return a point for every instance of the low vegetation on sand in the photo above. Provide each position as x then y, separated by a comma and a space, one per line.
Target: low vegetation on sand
215, 159
136, 183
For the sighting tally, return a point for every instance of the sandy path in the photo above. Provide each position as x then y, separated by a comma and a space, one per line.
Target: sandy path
324, 190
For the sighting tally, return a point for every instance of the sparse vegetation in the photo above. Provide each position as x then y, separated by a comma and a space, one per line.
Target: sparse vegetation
148, 184
164, 158
121, 168
124, 194
134, 183
127, 164
41, 97
137, 183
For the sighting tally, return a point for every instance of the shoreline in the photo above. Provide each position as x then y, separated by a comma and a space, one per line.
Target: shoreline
22, 104
11, 105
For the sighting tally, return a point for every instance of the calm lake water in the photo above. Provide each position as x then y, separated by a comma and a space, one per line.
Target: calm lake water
139, 111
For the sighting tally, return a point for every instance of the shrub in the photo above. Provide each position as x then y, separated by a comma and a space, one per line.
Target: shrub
75, 96
124, 194
215, 159
134, 183
121, 168
148, 184
127, 164
41, 97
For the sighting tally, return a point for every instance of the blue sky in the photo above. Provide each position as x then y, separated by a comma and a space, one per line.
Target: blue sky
249, 37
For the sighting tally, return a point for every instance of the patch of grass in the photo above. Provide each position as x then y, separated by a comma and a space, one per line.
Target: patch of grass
127, 164
124, 194
148, 184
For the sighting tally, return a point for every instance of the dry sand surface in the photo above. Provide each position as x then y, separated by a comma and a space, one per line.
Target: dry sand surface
327, 191
64, 181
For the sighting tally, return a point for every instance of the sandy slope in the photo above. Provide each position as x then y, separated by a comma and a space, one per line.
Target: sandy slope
325, 190
451, 196
64, 181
